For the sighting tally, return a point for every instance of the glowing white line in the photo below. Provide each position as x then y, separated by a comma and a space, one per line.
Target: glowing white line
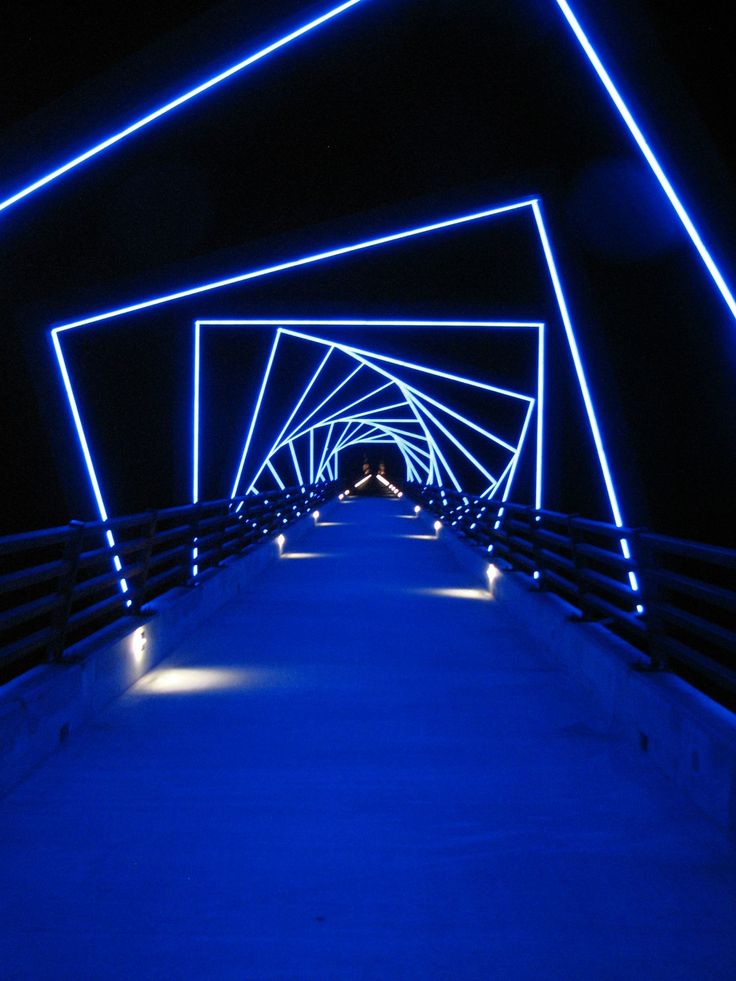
255, 414
476, 463
350, 349
649, 156
279, 481
432, 443
295, 264
296, 464
195, 422
540, 419
572, 344
174, 104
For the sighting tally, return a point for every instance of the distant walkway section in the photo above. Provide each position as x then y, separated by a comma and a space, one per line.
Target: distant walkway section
362, 769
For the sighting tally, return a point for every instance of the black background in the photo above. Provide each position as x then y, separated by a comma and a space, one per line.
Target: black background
396, 114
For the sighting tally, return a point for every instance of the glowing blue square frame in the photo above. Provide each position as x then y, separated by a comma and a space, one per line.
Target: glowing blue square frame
581, 37
284, 325
532, 205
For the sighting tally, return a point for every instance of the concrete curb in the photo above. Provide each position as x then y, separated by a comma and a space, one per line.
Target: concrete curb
39, 709
685, 734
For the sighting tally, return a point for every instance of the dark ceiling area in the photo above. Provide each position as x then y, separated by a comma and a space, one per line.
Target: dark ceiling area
395, 114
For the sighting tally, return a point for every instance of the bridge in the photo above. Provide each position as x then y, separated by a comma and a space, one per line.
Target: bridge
400, 678
353, 747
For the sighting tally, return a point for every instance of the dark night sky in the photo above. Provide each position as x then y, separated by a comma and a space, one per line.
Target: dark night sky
400, 113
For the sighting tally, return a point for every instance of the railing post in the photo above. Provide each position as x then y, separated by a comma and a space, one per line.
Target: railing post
651, 594
187, 576
225, 511
67, 580
579, 564
140, 593
534, 519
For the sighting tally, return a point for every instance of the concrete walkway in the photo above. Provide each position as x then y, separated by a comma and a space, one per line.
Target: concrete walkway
360, 770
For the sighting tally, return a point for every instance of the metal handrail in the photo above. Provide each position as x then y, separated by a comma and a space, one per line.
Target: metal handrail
682, 614
60, 585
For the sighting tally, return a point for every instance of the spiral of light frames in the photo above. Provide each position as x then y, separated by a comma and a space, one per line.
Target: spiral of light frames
367, 402
530, 206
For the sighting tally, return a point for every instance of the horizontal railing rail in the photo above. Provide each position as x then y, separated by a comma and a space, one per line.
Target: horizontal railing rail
60, 585
674, 599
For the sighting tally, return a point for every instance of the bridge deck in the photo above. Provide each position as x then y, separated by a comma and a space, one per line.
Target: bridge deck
360, 770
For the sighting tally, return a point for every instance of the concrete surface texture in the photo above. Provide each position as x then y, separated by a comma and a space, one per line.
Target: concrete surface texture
360, 769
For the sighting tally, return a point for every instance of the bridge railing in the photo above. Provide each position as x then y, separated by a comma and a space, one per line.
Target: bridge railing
674, 599
59, 585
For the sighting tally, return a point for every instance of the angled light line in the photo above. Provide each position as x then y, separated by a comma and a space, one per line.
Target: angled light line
434, 472
463, 419
572, 343
87, 457
175, 103
433, 449
413, 452
510, 468
406, 387
411, 471
358, 401
279, 481
304, 394
517, 455
351, 433
649, 155
297, 469
436, 451
369, 412
298, 431
256, 411
421, 452
404, 445
341, 437
277, 443
102, 511
476, 463
349, 348
372, 421
324, 450
490, 492
296, 263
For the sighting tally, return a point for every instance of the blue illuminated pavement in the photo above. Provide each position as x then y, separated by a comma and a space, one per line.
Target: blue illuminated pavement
361, 769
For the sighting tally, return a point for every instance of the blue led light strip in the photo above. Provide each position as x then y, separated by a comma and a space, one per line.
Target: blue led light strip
175, 103
356, 351
527, 204
295, 264
353, 352
432, 443
261, 392
648, 154
311, 414
417, 400
339, 414
306, 391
